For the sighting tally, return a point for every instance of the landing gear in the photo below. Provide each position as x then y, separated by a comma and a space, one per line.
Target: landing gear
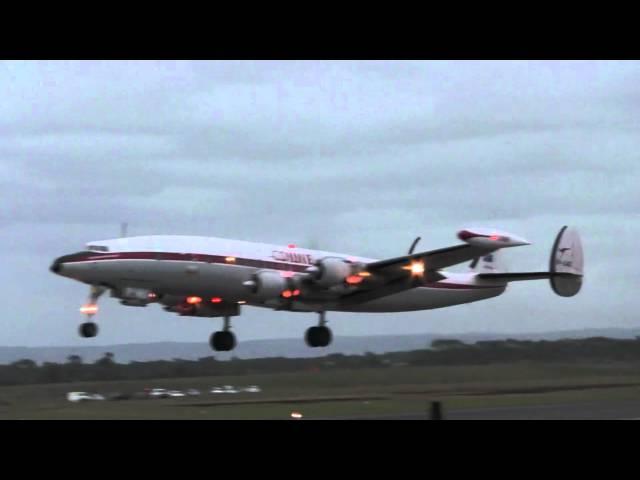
88, 330
319, 336
223, 340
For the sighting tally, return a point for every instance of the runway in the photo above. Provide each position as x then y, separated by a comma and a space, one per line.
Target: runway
602, 410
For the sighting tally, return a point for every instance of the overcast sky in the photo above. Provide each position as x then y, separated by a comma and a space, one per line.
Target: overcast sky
358, 157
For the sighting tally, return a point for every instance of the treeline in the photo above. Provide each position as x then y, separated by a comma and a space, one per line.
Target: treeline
440, 352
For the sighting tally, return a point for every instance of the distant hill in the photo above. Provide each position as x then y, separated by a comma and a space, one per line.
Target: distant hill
288, 347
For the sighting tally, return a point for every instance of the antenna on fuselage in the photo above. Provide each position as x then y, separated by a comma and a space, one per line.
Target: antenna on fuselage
123, 229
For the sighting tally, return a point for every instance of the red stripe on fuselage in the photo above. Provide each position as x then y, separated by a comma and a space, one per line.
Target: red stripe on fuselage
189, 257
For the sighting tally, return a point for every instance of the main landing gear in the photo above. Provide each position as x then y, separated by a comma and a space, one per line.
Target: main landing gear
89, 329
319, 336
223, 340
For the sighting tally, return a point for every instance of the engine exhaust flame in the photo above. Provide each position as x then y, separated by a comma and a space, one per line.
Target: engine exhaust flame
416, 268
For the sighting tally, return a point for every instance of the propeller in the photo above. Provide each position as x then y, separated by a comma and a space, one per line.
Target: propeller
413, 245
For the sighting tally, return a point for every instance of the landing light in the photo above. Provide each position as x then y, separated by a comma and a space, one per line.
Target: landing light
287, 293
230, 259
364, 274
193, 300
89, 309
242, 302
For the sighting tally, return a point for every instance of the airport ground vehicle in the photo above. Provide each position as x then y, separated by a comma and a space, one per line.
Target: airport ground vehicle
83, 396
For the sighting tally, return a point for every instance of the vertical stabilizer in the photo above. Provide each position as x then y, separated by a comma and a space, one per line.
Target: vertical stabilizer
567, 257
491, 263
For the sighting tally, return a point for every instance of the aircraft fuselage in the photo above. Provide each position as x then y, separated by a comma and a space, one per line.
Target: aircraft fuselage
216, 268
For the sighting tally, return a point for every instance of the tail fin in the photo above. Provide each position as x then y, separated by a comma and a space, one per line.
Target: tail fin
566, 266
491, 263
567, 258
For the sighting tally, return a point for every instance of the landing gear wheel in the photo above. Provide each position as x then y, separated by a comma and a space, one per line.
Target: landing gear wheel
222, 341
88, 330
318, 336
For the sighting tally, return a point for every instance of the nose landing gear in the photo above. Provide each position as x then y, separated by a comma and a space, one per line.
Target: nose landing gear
319, 336
89, 329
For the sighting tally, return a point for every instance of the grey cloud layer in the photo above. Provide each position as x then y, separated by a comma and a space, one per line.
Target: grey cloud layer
354, 156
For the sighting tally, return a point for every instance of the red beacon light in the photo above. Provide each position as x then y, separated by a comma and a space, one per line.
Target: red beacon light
216, 300
354, 279
291, 245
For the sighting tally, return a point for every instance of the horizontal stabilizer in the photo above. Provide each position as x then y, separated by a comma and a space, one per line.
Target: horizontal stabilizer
514, 277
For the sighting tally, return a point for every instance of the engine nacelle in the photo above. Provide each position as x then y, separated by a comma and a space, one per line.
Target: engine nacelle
217, 310
205, 309
134, 297
331, 271
135, 303
490, 238
267, 285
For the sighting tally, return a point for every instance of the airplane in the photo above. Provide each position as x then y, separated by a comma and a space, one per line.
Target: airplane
215, 277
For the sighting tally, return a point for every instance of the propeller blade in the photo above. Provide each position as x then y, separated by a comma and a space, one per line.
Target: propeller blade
413, 245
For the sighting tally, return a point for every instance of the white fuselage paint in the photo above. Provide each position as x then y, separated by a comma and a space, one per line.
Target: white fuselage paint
190, 275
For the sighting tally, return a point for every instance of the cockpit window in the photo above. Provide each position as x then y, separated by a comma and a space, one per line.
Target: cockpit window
97, 248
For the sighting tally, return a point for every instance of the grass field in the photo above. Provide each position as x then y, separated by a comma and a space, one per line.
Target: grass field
339, 393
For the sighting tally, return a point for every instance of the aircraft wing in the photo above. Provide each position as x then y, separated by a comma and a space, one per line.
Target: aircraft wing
393, 275
433, 259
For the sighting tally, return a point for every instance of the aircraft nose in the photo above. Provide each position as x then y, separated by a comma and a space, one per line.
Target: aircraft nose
56, 266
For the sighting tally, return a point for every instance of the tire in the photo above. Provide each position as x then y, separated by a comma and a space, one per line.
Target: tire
310, 337
88, 330
222, 341
318, 336
324, 336
230, 341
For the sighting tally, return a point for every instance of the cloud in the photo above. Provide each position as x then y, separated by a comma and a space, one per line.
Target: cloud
358, 157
